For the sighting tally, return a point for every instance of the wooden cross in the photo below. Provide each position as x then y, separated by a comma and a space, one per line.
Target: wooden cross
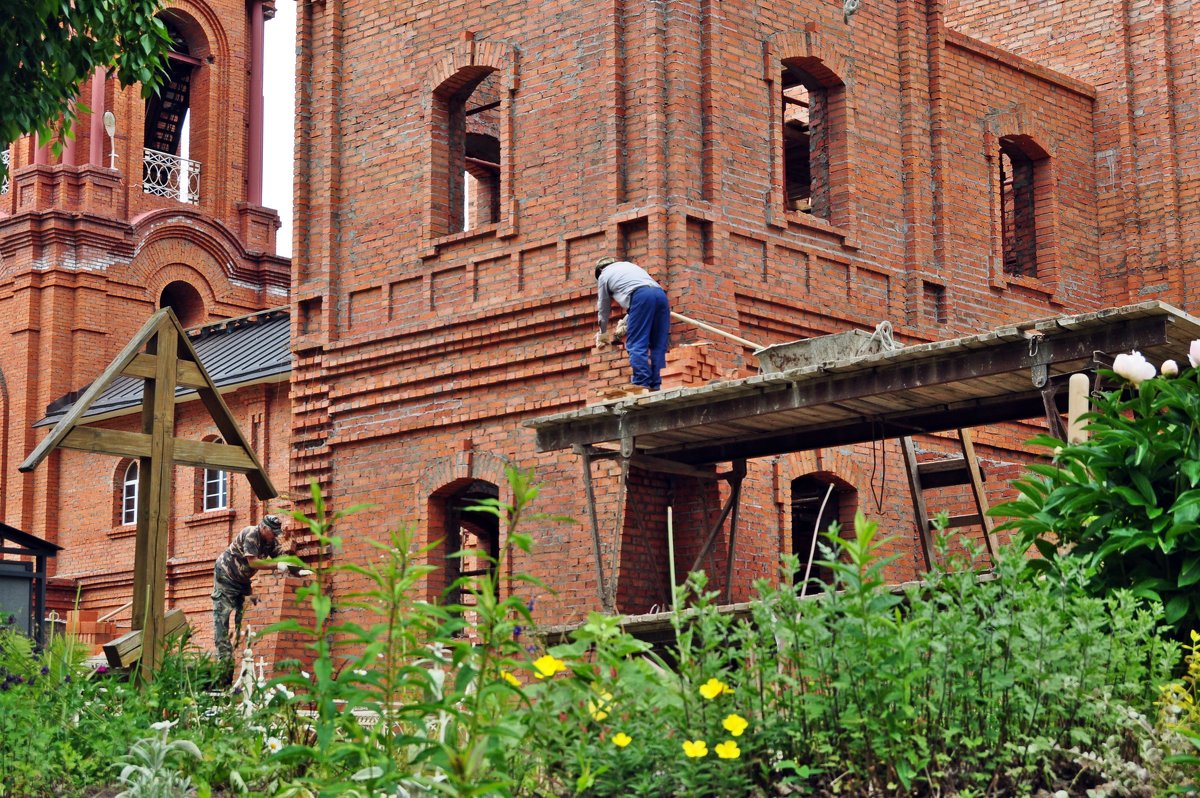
167, 362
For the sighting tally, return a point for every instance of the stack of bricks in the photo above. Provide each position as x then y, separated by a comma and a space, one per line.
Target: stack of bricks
688, 366
85, 627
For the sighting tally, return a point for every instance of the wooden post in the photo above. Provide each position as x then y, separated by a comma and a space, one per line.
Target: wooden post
155, 476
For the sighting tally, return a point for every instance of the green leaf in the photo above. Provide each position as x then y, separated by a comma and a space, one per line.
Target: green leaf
1190, 574
1177, 607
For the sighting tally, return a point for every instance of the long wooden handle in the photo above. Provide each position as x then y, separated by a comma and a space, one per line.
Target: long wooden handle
716, 330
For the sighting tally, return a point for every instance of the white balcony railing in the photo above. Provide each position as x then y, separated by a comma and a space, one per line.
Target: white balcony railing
5, 159
166, 175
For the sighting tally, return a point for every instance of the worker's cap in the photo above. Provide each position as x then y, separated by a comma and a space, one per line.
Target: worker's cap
605, 261
272, 522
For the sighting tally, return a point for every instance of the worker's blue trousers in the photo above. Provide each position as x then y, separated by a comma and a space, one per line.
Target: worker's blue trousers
647, 335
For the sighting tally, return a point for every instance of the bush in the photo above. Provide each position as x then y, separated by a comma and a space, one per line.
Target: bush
994, 686
1124, 504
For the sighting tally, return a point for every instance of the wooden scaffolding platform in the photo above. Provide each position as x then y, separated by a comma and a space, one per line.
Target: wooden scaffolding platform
1012, 373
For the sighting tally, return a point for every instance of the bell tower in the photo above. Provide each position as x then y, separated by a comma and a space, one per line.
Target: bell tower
154, 202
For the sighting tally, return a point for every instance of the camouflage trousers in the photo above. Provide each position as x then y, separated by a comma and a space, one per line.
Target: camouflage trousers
227, 600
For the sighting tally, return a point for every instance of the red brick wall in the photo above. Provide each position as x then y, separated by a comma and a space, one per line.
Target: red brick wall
1141, 57
650, 132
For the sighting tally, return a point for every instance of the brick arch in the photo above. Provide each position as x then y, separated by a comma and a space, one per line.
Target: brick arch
441, 478
814, 52
468, 57
202, 26
156, 267
829, 463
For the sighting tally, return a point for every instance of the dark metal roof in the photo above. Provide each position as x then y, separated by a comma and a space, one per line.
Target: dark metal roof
965, 382
234, 352
32, 544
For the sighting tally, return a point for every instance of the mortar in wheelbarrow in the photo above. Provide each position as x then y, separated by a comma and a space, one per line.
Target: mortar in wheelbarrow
822, 349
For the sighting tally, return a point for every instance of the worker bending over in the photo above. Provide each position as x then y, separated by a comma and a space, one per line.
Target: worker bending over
648, 317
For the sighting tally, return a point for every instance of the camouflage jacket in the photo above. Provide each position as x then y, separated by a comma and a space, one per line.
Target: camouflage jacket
233, 566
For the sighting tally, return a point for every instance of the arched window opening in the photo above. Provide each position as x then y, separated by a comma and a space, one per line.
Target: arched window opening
129, 493
215, 487
814, 140
467, 151
812, 515
1022, 170
476, 533
185, 300
168, 169
797, 146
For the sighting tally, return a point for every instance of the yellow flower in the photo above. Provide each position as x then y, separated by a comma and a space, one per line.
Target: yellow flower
547, 665
621, 739
735, 724
696, 749
599, 708
728, 750
713, 688
508, 677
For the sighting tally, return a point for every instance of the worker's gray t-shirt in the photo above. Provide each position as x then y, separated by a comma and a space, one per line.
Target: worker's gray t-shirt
618, 281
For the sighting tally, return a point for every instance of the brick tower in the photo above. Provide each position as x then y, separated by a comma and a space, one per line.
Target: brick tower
163, 211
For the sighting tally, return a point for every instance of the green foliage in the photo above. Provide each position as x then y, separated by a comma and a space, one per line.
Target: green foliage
1004, 685
48, 48
1125, 503
435, 680
151, 767
963, 685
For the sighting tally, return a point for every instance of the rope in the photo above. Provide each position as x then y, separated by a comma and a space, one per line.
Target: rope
883, 334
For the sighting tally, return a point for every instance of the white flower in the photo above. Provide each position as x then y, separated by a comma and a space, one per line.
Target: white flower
1194, 354
1134, 367
1170, 368
274, 745
162, 725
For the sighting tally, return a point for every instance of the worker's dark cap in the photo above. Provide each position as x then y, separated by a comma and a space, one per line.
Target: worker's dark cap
272, 522
605, 261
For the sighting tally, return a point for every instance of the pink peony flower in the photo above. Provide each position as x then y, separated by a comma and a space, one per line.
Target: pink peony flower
1194, 354
1170, 368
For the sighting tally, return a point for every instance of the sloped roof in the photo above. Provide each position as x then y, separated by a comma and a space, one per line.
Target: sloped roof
32, 543
235, 352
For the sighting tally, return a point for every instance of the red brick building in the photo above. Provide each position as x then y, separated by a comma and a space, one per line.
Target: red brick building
784, 170
165, 212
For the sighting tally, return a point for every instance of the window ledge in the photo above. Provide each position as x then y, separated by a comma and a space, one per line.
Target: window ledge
435, 244
1004, 281
808, 221
210, 517
122, 531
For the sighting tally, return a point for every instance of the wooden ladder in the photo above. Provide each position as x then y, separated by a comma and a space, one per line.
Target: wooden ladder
963, 470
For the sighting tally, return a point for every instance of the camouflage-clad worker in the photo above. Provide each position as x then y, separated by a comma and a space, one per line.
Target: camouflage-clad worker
232, 573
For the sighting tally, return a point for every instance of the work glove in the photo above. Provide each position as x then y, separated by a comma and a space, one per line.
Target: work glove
603, 339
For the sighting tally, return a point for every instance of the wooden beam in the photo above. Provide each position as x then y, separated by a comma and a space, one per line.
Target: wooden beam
221, 456
143, 366
123, 359
117, 443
